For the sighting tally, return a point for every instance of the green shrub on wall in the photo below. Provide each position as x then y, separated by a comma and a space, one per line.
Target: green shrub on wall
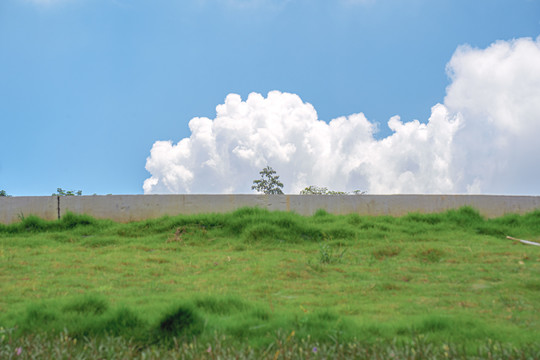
62, 192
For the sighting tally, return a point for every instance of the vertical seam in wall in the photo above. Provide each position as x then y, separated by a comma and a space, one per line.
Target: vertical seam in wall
58, 205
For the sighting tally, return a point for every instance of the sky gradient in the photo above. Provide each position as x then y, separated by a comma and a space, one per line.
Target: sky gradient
89, 87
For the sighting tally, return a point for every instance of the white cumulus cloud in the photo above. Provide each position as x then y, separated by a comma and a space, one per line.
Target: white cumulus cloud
224, 155
497, 91
482, 139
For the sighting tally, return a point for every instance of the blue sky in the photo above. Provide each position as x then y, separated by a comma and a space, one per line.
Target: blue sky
88, 86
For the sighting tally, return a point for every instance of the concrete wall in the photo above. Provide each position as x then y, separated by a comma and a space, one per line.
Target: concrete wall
12, 208
125, 208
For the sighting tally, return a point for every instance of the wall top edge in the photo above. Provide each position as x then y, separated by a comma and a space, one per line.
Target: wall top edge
275, 195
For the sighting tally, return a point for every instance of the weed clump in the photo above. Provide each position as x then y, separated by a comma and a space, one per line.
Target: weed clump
329, 255
38, 318
183, 321
91, 305
124, 322
71, 220
33, 223
465, 216
431, 255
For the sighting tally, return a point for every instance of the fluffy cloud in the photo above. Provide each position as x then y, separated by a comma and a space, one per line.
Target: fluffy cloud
482, 139
224, 155
497, 91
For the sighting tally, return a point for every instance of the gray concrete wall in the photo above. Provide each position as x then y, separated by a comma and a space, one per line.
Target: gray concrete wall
13, 208
125, 208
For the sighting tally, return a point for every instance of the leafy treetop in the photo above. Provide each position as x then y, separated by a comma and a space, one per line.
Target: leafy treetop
62, 192
268, 183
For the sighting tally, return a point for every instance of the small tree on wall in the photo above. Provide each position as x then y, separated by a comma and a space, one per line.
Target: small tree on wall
268, 183
3, 193
62, 192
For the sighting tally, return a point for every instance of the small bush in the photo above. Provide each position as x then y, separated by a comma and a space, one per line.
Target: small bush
183, 321
71, 220
34, 223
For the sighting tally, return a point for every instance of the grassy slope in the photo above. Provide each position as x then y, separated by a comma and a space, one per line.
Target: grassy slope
451, 277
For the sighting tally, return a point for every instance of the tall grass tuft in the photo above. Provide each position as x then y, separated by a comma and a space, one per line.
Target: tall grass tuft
465, 216
123, 322
33, 223
89, 304
71, 220
181, 322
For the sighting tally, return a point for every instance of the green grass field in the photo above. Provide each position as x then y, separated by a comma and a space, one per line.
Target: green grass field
259, 284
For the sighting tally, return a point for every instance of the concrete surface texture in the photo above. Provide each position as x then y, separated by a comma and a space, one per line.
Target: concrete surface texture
12, 209
125, 208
